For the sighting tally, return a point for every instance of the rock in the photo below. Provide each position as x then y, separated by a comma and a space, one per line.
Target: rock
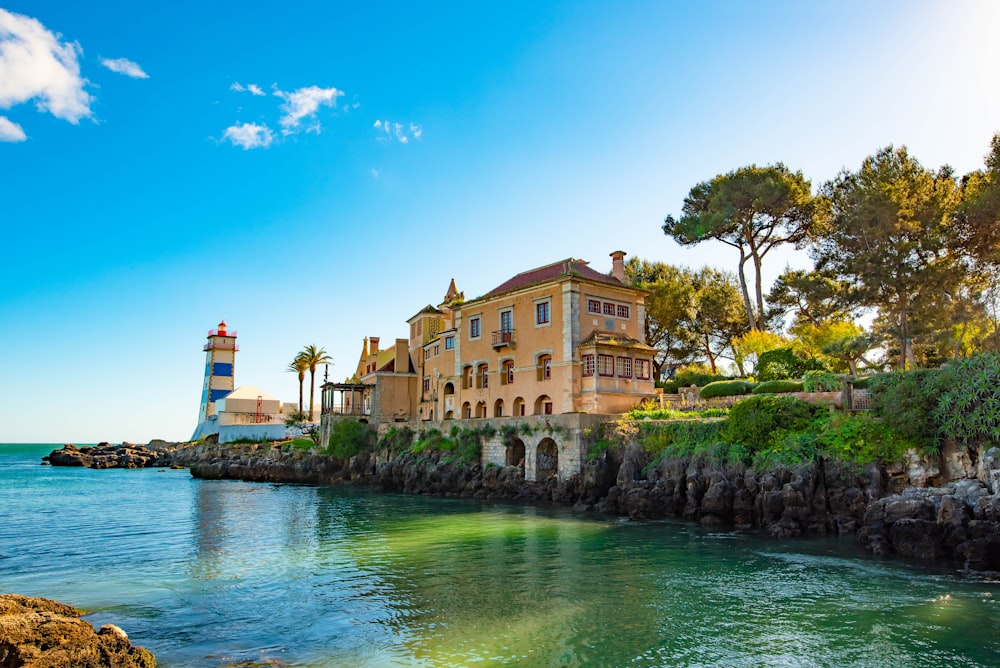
37, 632
988, 470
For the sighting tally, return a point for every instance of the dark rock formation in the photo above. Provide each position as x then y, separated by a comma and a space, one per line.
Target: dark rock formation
106, 455
39, 633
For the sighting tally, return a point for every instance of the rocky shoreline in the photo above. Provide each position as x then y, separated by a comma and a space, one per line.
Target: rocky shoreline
41, 632
908, 510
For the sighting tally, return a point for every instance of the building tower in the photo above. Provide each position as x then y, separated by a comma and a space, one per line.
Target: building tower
220, 358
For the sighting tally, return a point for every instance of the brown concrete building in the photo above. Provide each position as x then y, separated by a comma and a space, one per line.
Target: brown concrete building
563, 338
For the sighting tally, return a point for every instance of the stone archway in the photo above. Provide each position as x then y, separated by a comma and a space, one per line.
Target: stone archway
515, 454
546, 459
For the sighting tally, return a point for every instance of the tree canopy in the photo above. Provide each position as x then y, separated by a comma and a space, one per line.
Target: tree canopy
753, 209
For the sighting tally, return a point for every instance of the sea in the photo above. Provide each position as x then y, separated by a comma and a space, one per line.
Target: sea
227, 573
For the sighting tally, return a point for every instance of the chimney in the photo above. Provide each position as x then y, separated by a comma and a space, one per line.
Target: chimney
618, 265
373, 342
364, 352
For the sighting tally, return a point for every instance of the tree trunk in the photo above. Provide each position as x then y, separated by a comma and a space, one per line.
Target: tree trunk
302, 379
312, 391
760, 295
746, 294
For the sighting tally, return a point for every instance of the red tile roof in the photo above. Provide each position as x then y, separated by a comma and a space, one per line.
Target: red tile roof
550, 272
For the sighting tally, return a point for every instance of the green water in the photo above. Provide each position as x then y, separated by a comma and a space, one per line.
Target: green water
209, 573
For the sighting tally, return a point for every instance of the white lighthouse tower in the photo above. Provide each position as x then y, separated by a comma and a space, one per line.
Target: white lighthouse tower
220, 362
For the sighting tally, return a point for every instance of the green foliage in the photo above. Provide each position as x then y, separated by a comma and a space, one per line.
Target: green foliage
862, 383
526, 429
432, 440
653, 413
725, 388
302, 444
684, 438
487, 430
469, 448
668, 386
508, 432
822, 381
968, 404
598, 448
783, 363
697, 376
756, 422
862, 438
350, 437
396, 440
464, 445
777, 387
787, 449
906, 401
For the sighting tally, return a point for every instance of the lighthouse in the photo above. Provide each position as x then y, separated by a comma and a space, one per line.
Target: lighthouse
220, 359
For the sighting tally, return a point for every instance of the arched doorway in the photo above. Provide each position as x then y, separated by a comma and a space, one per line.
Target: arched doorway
498, 408
449, 388
546, 459
515, 454
450, 415
481, 409
466, 411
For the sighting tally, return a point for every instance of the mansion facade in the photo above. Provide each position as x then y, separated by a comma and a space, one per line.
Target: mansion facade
562, 338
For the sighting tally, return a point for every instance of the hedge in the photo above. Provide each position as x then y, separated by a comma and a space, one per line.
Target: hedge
778, 387
725, 388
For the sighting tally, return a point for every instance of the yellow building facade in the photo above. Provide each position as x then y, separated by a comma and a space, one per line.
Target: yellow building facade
562, 338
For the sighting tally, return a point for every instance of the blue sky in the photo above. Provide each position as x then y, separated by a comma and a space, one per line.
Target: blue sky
315, 172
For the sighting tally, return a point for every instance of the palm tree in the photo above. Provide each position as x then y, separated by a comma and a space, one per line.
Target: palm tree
299, 366
312, 357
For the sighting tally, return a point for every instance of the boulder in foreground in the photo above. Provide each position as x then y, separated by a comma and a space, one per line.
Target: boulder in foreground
40, 633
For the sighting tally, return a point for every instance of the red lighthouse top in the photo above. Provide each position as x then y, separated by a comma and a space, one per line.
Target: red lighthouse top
221, 330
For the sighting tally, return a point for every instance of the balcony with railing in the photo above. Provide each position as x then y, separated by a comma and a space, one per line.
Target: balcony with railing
503, 337
221, 345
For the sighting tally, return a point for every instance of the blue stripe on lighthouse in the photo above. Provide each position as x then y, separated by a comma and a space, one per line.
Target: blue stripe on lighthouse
215, 395
222, 369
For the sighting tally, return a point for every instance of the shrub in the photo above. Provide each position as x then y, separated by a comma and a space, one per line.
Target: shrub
674, 414
302, 443
753, 421
862, 383
697, 376
905, 400
968, 403
862, 439
683, 438
783, 363
725, 388
822, 381
669, 386
777, 387
787, 449
396, 440
468, 448
349, 437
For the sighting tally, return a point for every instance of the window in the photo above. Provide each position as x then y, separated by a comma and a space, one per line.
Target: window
548, 408
593, 306
507, 377
642, 369
606, 365
449, 343
622, 311
474, 329
506, 320
437, 350
428, 354
427, 383
467, 377
609, 308
624, 367
483, 376
588, 365
542, 315
544, 367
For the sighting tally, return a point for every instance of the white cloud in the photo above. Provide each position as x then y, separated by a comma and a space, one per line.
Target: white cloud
374, 173
36, 65
124, 66
10, 131
396, 131
303, 104
249, 135
253, 89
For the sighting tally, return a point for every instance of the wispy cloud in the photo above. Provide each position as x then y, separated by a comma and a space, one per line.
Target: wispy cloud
303, 104
253, 89
10, 131
374, 173
35, 64
124, 66
390, 131
249, 135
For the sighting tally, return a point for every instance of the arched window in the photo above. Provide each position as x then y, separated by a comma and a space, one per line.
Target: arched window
483, 376
543, 405
544, 367
467, 410
518, 409
507, 373
467, 376
449, 388
498, 408
481, 409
